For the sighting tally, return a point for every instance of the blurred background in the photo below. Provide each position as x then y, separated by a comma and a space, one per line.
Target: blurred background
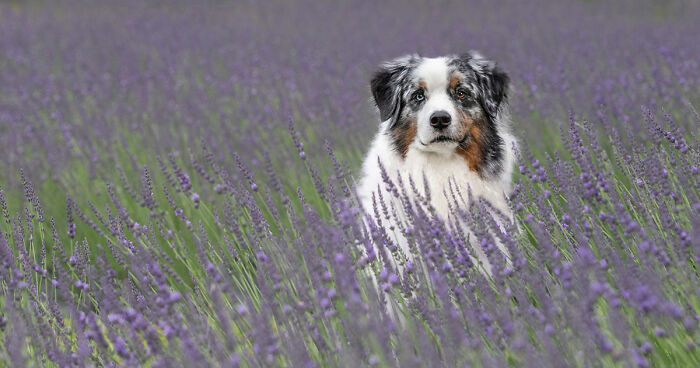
85, 86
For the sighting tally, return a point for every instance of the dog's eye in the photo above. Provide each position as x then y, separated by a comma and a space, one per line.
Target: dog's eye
418, 96
460, 93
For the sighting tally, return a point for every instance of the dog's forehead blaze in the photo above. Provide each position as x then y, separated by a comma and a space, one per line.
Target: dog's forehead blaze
432, 73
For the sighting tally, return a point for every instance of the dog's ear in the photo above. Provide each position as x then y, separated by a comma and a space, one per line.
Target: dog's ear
493, 82
387, 87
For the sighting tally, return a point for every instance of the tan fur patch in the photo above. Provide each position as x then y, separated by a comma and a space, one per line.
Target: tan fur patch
422, 84
454, 81
472, 151
404, 135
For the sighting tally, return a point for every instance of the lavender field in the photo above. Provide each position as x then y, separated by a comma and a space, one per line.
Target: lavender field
176, 187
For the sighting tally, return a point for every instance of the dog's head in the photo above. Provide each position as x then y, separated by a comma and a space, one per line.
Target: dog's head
442, 105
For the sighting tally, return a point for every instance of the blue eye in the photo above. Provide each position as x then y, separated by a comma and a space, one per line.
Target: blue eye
418, 96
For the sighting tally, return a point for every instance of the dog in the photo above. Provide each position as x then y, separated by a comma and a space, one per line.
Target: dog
444, 125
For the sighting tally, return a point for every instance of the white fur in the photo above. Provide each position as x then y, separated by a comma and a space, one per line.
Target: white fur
434, 73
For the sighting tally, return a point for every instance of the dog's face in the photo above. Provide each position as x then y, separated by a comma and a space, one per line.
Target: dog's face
441, 105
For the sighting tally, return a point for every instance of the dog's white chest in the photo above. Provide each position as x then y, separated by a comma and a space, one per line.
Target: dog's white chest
448, 178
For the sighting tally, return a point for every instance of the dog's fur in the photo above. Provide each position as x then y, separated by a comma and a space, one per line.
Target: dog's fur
475, 152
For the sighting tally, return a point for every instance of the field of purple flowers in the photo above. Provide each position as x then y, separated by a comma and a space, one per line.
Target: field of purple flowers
176, 187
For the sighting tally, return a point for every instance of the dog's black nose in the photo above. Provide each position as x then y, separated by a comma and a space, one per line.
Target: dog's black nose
440, 120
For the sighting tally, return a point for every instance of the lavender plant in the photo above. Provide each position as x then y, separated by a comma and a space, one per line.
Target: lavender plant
177, 188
